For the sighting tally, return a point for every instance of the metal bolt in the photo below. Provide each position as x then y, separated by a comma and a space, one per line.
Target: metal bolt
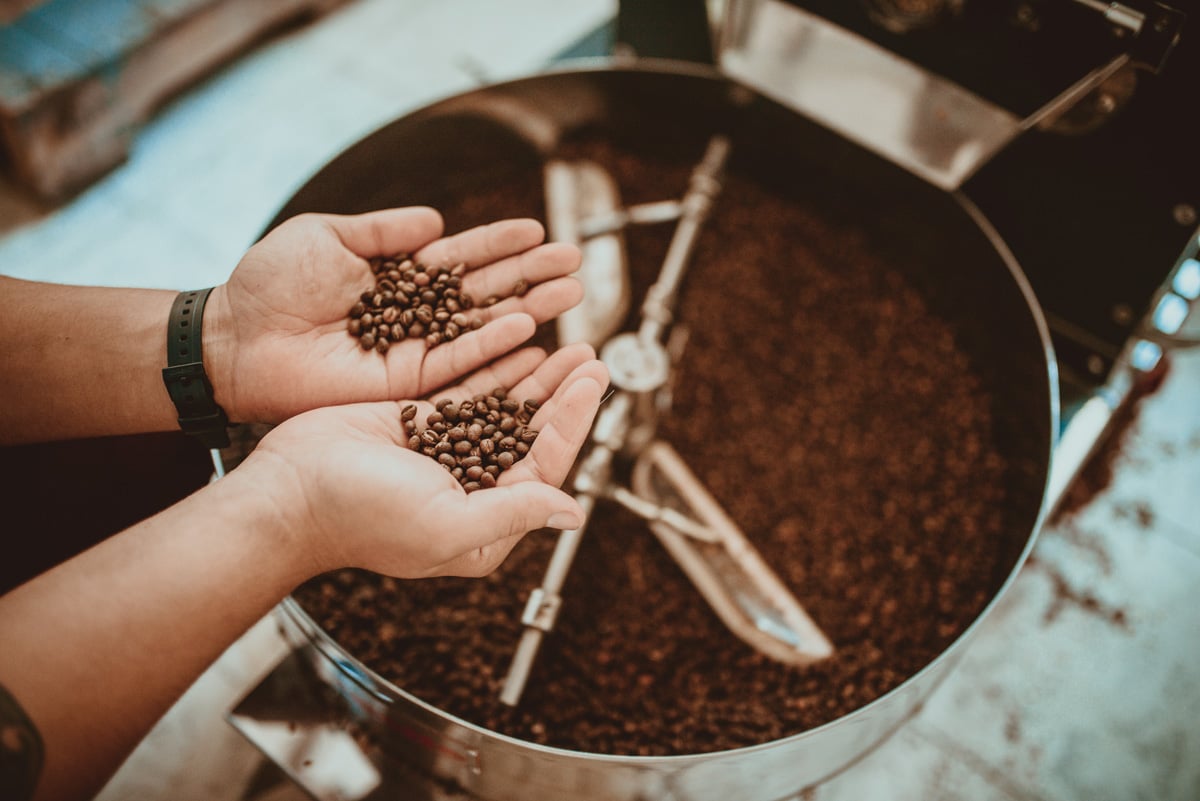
1122, 314
1184, 214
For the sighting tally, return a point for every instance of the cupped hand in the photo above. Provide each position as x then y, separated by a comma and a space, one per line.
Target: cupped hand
275, 337
358, 497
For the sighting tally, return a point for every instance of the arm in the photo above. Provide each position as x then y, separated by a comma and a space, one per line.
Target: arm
97, 649
81, 361
87, 361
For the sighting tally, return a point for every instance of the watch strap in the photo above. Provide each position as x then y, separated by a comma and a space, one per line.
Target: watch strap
185, 377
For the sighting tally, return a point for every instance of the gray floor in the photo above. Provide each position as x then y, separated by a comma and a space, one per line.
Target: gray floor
1083, 686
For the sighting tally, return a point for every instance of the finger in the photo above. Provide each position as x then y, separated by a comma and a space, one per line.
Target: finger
505, 373
385, 232
533, 266
540, 384
560, 437
449, 362
544, 302
593, 369
485, 517
484, 244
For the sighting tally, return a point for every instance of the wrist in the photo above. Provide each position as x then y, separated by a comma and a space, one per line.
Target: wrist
263, 496
219, 349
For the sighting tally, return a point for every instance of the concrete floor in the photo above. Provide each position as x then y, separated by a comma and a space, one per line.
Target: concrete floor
1084, 685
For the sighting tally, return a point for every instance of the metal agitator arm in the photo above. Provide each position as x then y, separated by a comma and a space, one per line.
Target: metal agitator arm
696, 532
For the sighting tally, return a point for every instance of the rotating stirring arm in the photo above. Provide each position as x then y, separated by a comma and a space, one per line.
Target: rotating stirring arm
713, 552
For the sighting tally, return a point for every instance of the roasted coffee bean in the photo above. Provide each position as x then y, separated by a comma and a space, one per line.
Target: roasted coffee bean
414, 442
474, 472
382, 345
487, 446
521, 287
355, 327
508, 424
447, 459
505, 459
487, 480
462, 447
430, 437
458, 432
414, 301
528, 436
367, 341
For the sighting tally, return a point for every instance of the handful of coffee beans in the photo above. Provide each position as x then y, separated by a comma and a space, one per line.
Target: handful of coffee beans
475, 440
411, 300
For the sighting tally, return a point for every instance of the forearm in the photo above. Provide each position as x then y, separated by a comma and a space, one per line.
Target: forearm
98, 648
82, 361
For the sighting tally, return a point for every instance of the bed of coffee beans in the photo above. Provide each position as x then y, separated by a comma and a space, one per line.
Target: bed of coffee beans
411, 300
836, 418
475, 440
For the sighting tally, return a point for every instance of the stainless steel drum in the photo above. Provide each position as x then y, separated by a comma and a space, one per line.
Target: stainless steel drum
478, 138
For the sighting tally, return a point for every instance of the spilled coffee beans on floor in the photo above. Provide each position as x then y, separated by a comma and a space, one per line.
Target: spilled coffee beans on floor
411, 300
475, 440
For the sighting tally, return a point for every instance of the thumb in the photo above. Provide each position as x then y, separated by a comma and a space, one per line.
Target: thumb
499, 512
490, 522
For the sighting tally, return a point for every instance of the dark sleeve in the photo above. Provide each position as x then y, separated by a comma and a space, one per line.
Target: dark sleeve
20, 750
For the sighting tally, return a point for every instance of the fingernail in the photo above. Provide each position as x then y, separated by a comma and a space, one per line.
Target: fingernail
564, 520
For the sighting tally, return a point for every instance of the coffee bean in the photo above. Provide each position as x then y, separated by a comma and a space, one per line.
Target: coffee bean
520, 288
355, 327
382, 345
367, 341
447, 459
505, 459
414, 442
416, 301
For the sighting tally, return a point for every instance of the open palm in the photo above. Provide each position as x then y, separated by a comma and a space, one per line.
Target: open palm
365, 500
276, 340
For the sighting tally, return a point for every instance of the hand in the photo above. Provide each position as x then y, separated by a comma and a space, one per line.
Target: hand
275, 338
357, 497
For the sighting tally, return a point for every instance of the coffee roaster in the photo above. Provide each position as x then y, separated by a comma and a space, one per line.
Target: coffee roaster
1031, 142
